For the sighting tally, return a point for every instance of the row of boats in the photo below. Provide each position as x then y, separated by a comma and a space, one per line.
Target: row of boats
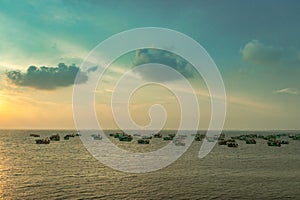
145, 139
55, 137
272, 140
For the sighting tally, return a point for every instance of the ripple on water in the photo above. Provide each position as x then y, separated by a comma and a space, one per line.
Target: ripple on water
65, 170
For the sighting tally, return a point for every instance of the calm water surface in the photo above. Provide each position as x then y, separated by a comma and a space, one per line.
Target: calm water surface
65, 170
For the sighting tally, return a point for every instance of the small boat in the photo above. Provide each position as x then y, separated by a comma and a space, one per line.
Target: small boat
55, 137
143, 141
222, 136
97, 137
260, 136
250, 141
274, 143
43, 141
157, 135
68, 136
270, 137
179, 143
77, 134
199, 137
123, 136
126, 138
211, 139
137, 135
284, 142
296, 137
34, 135
231, 140
232, 144
118, 135
146, 137
222, 142
242, 137
167, 138
72, 135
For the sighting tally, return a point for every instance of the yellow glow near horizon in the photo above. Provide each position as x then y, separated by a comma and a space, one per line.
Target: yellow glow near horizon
2, 105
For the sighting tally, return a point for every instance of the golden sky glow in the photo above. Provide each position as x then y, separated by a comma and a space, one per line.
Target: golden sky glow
257, 53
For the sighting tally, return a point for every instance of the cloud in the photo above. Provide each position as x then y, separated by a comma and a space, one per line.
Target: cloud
269, 56
47, 78
286, 91
144, 56
92, 69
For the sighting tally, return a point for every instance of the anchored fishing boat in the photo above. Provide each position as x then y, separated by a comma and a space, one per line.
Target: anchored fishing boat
143, 141
97, 137
250, 141
274, 143
34, 135
43, 141
55, 137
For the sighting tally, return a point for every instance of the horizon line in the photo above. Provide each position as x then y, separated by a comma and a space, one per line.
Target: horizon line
115, 129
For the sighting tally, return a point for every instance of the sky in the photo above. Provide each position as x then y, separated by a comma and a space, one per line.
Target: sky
255, 45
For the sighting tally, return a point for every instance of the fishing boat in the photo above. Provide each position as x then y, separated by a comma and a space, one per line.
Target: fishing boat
97, 137
143, 141
199, 137
146, 137
211, 139
125, 138
222, 142
157, 135
72, 135
284, 142
55, 137
167, 138
179, 143
232, 144
43, 141
250, 141
296, 137
274, 143
78, 134
34, 135
118, 135
222, 136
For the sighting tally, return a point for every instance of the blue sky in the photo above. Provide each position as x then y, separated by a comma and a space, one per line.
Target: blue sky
255, 44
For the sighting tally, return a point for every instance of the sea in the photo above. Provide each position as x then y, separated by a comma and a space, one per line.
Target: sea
66, 170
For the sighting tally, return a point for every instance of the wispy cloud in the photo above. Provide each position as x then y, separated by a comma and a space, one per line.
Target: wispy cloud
286, 91
257, 53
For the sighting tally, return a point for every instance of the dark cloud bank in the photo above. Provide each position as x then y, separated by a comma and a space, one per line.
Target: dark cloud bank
145, 56
47, 78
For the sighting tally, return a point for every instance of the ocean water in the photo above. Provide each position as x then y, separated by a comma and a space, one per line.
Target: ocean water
65, 170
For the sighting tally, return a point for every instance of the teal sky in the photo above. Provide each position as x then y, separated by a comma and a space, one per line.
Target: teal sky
255, 45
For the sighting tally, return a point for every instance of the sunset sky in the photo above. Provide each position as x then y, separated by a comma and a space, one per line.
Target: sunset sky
255, 45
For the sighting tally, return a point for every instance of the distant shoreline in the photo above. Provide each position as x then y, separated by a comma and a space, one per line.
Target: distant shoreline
224, 130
